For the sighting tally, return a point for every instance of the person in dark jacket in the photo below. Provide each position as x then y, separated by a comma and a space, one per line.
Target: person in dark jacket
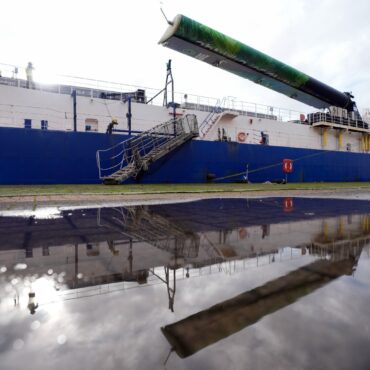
111, 125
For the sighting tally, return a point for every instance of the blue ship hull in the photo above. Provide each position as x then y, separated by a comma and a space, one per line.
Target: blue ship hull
57, 157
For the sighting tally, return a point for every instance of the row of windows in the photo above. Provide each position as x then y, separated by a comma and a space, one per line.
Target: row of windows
28, 124
90, 124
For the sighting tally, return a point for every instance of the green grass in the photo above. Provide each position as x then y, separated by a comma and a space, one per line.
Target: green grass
32, 190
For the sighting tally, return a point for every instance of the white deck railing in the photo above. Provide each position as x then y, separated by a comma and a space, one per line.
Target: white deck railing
65, 84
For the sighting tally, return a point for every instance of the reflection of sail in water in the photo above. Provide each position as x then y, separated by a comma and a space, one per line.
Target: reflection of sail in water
226, 318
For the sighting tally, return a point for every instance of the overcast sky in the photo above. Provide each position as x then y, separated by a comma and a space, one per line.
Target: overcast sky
118, 40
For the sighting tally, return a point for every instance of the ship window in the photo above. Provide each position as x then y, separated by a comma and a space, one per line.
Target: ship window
348, 147
91, 124
27, 123
44, 125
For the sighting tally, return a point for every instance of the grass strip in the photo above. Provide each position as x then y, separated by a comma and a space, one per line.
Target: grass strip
70, 189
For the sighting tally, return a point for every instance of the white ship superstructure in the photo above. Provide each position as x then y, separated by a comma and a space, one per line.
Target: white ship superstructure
51, 107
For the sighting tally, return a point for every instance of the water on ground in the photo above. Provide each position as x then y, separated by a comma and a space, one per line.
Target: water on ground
279, 283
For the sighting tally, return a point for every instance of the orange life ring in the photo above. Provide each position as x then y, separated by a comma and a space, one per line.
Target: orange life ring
288, 204
242, 136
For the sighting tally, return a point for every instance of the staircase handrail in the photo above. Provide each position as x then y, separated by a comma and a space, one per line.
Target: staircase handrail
132, 150
218, 108
119, 164
98, 158
210, 114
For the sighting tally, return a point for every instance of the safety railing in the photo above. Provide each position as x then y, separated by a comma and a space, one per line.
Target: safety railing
88, 87
346, 122
133, 151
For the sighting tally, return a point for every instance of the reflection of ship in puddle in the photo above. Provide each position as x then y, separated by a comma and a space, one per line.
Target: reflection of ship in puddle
207, 327
167, 242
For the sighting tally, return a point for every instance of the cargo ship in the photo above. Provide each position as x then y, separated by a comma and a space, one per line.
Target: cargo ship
87, 131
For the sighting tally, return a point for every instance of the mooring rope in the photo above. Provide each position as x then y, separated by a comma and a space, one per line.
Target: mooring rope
272, 165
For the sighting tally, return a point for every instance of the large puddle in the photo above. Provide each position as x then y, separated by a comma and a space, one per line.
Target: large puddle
211, 284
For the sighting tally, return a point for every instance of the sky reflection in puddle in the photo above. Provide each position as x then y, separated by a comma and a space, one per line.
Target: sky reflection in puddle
211, 284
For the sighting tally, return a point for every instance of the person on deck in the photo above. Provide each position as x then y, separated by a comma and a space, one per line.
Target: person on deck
29, 74
111, 125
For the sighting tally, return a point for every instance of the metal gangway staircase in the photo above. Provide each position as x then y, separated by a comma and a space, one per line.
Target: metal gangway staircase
133, 156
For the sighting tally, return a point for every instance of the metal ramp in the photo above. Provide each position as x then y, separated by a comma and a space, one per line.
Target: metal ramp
133, 156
